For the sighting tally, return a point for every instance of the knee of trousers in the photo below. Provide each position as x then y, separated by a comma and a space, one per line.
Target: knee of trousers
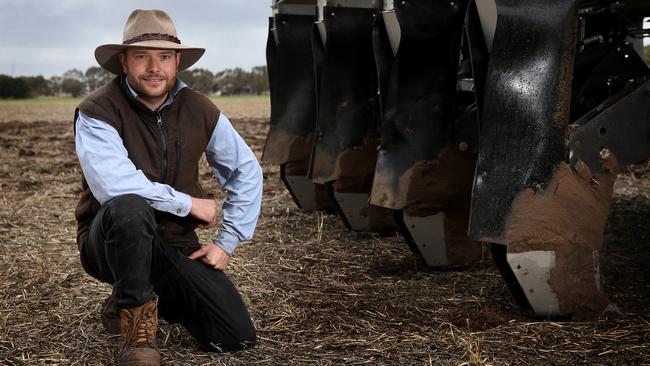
244, 337
238, 343
129, 211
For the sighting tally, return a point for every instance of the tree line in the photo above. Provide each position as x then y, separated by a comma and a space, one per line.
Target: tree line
77, 83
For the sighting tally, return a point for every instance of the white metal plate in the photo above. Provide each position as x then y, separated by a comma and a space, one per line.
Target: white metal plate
304, 191
354, 205
429, 235
533, 272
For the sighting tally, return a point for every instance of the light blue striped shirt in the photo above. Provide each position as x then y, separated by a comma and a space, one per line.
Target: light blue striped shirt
110, 173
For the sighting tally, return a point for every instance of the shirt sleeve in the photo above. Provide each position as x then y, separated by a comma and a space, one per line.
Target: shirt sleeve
110, 173
237, 172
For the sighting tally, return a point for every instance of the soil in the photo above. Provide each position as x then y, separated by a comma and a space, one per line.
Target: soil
318, 293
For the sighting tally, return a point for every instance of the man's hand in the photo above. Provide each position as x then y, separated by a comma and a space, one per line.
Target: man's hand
205, 210
213, 256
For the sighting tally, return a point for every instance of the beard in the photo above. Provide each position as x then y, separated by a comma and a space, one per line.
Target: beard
151, 86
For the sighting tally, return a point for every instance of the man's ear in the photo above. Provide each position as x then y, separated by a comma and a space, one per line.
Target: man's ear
178, 59
122, 57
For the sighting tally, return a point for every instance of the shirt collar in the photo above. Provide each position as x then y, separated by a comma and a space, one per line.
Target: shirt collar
172, 93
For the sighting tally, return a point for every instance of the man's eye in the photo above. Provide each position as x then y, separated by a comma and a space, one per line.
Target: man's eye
165, 57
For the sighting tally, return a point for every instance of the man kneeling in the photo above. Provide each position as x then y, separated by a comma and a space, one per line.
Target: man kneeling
139, 139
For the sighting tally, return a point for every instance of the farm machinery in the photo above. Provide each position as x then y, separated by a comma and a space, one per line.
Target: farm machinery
461, 123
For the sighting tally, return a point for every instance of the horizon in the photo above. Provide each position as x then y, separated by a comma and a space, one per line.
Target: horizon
84, 70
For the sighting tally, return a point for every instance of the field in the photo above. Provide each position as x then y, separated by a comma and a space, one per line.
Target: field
318, 293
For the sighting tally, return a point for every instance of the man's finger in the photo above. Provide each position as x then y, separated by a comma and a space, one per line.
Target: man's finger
199, 253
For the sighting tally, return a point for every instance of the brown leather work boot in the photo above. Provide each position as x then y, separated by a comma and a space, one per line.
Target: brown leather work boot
138, 343
110, 316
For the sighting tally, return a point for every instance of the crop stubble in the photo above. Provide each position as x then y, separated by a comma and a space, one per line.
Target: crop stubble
317, 296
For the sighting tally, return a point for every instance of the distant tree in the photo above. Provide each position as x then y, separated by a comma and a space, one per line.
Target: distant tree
96, 76
13, 87
201, 80
54, 85
234, 81
73, 87
5, 86
239, 81
36, 85
6, 83
259, 80
73, 83
74, 74
185, 75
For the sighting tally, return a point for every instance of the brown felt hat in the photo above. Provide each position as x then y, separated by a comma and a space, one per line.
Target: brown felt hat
147, 29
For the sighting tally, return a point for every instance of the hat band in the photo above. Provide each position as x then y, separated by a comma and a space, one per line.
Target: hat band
153, 37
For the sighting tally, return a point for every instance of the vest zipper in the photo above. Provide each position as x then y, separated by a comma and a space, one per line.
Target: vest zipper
178, 162
159, 122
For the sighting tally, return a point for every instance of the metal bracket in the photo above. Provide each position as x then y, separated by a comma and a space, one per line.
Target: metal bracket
296, 7
618, 127
366, 4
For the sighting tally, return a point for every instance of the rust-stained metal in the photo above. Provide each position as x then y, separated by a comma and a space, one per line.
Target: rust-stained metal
554, 237
346, 140
542, 204
307, 195
526, 195
426, 160
282, 147
292, 83
347, 91
526, 108
418, 94
293, 88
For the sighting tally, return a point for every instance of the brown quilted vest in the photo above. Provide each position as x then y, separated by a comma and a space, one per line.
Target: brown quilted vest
166, 145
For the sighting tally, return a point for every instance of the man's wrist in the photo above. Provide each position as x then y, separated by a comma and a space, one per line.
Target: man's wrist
184, 204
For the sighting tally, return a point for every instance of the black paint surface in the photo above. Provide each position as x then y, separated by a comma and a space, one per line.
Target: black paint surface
526, 106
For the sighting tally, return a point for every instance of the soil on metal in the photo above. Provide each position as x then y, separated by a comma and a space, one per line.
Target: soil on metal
282, 147
428, 186
567, 218
318, 293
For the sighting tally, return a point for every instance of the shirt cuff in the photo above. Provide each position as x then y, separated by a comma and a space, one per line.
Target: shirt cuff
226, 241
183, 204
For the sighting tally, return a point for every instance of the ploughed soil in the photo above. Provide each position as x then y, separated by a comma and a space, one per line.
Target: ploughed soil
318, 293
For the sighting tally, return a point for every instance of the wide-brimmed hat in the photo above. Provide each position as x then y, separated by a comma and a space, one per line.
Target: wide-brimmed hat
147, 29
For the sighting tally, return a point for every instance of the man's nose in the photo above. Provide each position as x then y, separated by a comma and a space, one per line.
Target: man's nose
153, 64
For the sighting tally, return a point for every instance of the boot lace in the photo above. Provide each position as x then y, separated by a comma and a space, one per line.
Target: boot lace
142, 325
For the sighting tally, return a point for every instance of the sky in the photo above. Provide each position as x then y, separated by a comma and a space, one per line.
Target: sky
49, 37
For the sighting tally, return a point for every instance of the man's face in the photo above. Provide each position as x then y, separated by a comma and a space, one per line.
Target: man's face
151, 72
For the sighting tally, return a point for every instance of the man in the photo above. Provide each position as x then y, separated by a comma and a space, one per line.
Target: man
139, 140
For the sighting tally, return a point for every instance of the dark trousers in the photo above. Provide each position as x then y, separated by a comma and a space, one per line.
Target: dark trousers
124, 249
